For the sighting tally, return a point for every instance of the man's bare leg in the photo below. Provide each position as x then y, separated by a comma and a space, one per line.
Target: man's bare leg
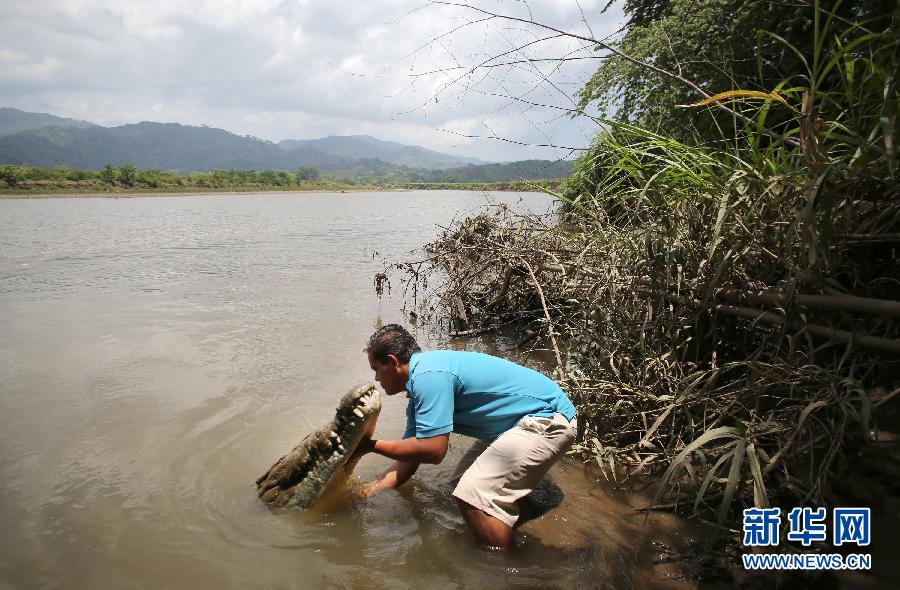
488, 530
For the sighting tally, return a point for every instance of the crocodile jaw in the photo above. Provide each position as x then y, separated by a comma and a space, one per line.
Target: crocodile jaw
299, 478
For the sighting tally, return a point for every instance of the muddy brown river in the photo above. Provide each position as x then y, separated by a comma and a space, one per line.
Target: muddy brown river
158, 353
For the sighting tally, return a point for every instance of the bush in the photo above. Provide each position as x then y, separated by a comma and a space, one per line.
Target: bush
77, 175
285, 179
307, 173
127, 174
108, 174
12, 175
153, 177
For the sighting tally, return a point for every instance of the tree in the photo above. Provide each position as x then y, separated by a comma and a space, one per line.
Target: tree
11, 174
268, 177
307, 173
714, 46
108, 174
127, 174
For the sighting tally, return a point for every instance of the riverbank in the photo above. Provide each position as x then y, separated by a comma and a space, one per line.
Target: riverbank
127, 194
128, 180
49, 191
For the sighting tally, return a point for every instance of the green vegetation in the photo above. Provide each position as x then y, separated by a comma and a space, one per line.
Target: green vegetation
129, 178
543, 185
382, 174
721, 292
11, 175
107, 175
23, 180
307, 173
698, 48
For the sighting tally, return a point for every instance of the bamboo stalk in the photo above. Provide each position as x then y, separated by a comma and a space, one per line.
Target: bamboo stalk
835, 302
873, 342
855, 238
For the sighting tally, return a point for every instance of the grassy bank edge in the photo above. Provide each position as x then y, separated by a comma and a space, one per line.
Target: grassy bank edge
49, 191
64, 192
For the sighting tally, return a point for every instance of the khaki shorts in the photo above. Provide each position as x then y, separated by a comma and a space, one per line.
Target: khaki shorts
493, 475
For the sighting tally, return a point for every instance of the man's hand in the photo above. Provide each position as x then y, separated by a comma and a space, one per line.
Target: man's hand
368, 490
365, 446
395, 476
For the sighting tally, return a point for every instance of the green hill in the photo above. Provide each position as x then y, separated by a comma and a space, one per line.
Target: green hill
38, 139
367, 147
14, 120
168, 146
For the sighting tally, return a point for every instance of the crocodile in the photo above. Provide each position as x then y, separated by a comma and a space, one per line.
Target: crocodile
322, 460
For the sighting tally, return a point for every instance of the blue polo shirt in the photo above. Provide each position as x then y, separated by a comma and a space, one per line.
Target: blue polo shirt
475, 395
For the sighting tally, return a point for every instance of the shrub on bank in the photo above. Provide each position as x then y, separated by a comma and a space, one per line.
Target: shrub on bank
11, 175
723, 314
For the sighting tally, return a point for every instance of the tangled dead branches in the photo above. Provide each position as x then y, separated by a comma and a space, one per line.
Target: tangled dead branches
649, 346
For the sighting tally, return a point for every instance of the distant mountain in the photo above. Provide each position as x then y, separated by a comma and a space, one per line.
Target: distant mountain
365, 146
14, 120
510, 171
46, 140
169, 146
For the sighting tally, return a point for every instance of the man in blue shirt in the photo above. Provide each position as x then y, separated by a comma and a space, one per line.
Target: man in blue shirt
522, 420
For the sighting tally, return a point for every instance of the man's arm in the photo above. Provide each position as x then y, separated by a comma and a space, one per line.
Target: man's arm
410, 450
408, 454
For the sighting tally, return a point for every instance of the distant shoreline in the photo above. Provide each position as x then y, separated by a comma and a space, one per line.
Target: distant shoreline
64, 194
30, 182
181, 193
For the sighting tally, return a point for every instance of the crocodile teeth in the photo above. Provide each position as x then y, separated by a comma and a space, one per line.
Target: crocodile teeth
342, 448
358, 412
334, 434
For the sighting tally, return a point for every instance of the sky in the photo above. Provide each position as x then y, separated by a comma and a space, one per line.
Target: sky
442, 76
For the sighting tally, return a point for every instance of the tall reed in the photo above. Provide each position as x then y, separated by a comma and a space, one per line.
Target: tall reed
725, 314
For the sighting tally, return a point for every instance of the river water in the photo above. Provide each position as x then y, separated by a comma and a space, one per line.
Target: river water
158, 353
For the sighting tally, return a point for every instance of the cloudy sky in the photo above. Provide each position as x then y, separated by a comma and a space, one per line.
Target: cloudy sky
415, 72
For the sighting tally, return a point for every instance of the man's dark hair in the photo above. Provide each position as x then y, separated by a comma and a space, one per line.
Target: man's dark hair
392, 339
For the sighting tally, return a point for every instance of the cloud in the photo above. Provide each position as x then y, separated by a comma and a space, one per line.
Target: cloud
296, 69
